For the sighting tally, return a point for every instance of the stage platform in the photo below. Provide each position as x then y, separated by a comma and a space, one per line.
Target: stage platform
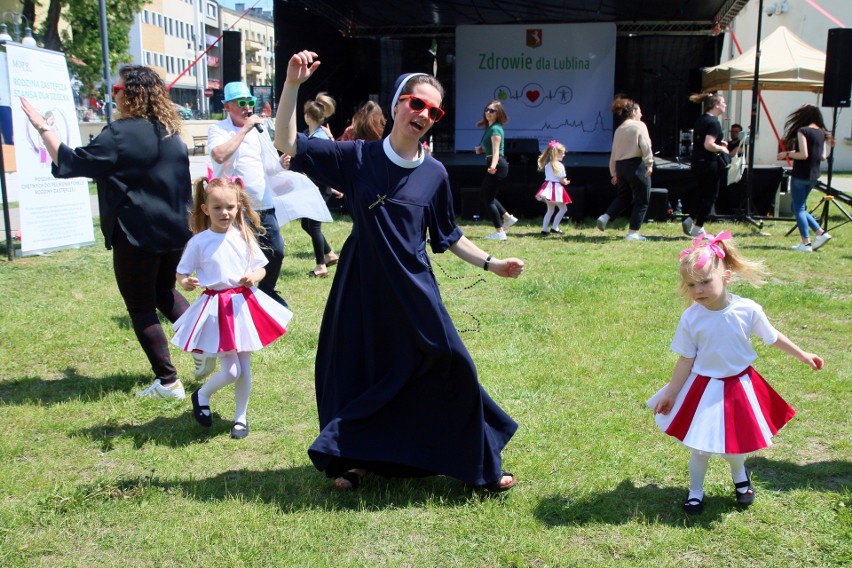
591, 190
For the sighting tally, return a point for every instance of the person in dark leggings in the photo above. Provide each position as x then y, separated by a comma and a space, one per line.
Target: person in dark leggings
317, 112
630, 165
708, 164
493, 146
141, 168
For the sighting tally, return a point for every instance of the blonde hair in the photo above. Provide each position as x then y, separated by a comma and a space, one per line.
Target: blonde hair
321, 108
247, 220
551, 154
751, 271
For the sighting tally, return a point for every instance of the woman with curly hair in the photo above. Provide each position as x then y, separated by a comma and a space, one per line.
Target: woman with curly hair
141, 168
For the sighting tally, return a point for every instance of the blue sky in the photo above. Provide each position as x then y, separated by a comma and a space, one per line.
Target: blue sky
265, 4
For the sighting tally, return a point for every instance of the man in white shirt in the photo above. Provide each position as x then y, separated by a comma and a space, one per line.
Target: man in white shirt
235, 146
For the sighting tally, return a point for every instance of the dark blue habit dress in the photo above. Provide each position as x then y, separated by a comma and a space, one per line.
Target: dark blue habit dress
397, 391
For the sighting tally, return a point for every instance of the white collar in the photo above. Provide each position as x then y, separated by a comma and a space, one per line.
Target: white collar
399, 160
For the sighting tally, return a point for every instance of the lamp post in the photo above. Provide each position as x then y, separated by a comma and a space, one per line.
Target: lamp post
27, 40
194, 52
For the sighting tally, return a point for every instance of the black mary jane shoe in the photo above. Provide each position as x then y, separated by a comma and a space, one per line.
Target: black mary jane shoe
693, 505
239, 433
205, 420
747, 498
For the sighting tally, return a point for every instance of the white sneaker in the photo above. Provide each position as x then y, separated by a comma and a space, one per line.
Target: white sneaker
157, 390
204, 365
509, 221
601, 223
820, 240
496, 236
695, 231
687, 225
634, 237
802, 247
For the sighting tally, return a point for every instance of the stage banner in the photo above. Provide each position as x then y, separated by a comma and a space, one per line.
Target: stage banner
555, 82
54, 213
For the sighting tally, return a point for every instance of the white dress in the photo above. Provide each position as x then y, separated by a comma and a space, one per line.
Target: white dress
227, 316
552, 189
725, 406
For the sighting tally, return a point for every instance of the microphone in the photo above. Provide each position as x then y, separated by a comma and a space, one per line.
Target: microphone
257, 126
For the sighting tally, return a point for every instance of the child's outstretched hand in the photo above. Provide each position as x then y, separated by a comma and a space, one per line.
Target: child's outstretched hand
188, 283
814, 360
664, 405
248, 281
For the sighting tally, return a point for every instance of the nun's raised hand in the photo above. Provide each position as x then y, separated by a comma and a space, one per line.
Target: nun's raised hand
301, 66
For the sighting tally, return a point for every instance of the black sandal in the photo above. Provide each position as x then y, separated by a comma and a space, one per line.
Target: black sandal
693, 505
497, 488
747, 498
205, 420
353, 477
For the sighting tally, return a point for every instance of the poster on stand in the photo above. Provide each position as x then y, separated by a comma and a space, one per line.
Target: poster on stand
54, 213
555, 82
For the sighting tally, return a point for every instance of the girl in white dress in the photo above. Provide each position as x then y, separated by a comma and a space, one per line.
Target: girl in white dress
716, 403
552, 191
232, 317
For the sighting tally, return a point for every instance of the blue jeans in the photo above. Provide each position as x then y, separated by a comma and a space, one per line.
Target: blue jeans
799, 190
272, 245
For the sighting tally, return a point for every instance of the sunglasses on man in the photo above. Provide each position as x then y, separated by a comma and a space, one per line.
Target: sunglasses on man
417, 105
242, 103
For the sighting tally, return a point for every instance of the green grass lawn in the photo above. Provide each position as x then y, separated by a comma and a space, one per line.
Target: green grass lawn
91, 476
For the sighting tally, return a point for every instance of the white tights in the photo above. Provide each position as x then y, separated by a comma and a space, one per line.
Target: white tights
698, 469
551, 207
235, 367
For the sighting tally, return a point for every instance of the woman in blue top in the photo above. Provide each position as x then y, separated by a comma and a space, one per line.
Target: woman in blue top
397, 392
317, 113
805, 139
492, 145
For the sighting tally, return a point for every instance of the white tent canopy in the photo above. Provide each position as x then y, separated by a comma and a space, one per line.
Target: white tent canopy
786, 64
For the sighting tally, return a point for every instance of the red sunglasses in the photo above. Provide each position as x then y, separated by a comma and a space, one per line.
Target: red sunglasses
417, 105
116, 89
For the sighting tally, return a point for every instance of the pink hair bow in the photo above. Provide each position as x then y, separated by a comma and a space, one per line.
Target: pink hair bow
711, 246
553, 144
211, 177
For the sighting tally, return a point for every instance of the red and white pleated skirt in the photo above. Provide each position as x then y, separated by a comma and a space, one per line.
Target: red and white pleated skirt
733, 415
553, 191
237, 319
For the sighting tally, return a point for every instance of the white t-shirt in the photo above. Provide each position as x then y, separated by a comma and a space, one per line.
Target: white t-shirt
720, 340
220, 260
246, 162
550, 175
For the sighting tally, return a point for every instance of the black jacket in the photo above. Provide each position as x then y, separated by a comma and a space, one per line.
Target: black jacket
143, 182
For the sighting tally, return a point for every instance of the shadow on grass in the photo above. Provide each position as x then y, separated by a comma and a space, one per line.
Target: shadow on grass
627, 503
300, 488
835, 476
72, 387
173, 431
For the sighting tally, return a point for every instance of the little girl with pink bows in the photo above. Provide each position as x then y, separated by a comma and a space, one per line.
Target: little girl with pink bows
552, 192
716, 403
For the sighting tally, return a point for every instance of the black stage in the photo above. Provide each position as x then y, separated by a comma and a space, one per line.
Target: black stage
591, 190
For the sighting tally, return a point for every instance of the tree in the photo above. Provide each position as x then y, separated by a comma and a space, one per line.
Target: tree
83, 43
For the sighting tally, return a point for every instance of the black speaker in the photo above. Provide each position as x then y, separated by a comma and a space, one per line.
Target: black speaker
232, 52
837, 81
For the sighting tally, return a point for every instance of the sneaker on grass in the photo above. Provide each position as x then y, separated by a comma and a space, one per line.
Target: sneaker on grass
157, 390
204, 365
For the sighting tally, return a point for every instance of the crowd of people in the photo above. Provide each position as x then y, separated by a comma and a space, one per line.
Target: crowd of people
388, 353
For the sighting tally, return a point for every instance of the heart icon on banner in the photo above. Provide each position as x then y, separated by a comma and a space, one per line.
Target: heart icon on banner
533, 96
